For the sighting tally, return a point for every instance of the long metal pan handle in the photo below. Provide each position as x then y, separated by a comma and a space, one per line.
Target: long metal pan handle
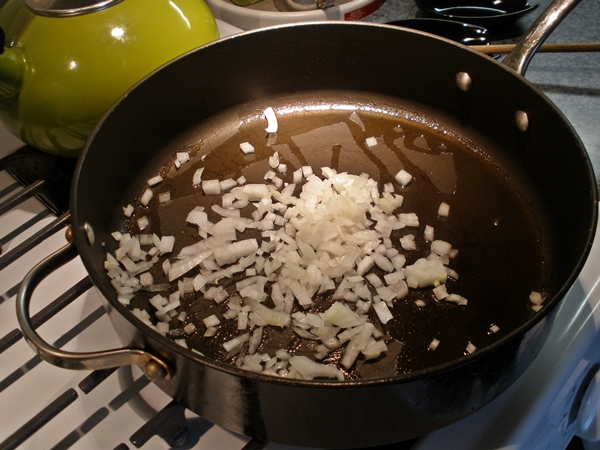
519, 58
154, 368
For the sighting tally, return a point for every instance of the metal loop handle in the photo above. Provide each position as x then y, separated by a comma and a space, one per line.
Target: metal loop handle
519, 58
154, 368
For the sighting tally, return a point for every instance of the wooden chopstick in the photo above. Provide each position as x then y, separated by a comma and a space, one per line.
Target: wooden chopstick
507, 48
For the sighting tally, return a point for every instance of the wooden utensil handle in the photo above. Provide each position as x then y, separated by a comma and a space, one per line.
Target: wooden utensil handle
563, 47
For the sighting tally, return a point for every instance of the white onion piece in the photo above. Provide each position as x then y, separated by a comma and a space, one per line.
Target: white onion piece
374, 349
211, 187
146, 197
164, 197
440, 292
155, 180
342, 316
270, 316
371, 141
236, 341
176, 271
183, 157
394, 277
166, 244
143, 222
246, 148
408, 242
255, 340
274, 160
470, 348
227, 184
128, 210
383, 312
358, 343
408, 219
301, 294
298, 176
197, 178
425, 273
251, 192
311, 369
234, 251
403, 177
271, 120
146, 279
382, 262
458, 299
210, 332
428, 234
189, 328
536, 298
441, 247
242, 317
211, 321
444, 210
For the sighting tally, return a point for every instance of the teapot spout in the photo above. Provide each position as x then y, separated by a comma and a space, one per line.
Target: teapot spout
12, 67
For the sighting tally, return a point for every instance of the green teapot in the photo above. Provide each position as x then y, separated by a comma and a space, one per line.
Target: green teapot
63, 63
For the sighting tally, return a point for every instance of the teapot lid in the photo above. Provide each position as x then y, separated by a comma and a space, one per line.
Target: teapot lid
61, 8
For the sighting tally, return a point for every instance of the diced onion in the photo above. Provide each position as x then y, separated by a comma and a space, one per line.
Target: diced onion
371, 141
470, 348
271, 120
146, 197
197, 178
403, 177
155, 180
444, 210
434, 344
324, 241
211, 187
246, 148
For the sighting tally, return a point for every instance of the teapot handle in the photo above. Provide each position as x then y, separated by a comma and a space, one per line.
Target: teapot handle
154, 368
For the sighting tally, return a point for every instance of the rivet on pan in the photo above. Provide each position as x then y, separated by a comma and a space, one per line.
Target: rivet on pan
155, 371
69, 234
89, 233
464, 81
522, 120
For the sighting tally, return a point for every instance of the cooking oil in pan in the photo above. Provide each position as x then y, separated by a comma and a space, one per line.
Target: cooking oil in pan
491, 224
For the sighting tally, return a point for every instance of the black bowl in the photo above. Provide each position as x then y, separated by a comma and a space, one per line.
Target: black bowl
464, 33
485, 13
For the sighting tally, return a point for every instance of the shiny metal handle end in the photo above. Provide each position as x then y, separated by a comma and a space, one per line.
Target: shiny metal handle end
519, 58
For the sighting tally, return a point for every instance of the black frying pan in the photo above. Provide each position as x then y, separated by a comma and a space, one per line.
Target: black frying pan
493, 107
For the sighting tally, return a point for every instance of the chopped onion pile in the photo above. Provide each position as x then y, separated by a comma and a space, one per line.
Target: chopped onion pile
332, 239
